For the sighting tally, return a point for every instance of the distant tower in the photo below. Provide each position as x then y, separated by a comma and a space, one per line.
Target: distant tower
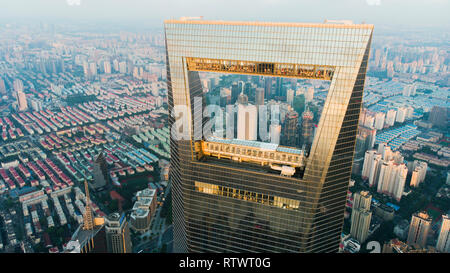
20, 95
22, 101
88, 218
290, 96
107, 67
267, 87
259, 97
307, 127
439, 116
278, 86
418, 229
234, 92
290, 129
18, 85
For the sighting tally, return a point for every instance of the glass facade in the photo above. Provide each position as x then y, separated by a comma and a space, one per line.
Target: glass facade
232, 206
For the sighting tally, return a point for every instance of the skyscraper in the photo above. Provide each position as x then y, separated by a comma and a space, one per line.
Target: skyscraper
290, 96
307, 127
291, 131
259, 97
361, 216
143, 210
22, 101
443, 243
107, 67
93, 68
439, 116
418, 229
247, 122
362, 200
390, 117
418, 174
117, 234
239, 196
18, 85
392, 178
278, 86
275, 132
234, 92
379, 120
268, 87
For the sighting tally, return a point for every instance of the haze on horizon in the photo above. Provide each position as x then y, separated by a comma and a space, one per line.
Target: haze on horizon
411, 13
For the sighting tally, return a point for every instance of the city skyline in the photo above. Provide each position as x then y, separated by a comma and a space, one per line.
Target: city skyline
399, 13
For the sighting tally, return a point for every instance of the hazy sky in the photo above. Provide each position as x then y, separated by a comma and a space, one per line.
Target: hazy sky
153, 12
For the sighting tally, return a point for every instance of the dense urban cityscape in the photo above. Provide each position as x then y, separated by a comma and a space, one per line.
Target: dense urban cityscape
85, 145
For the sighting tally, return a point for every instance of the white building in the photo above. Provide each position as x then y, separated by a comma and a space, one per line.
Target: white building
409, 112
401, 115
275, 132
247, 122
409, 90
290, 96
123, 67
392, 178
309, 94
418, 174
93, 68
369, 121
390, 117
107, 67
379, 120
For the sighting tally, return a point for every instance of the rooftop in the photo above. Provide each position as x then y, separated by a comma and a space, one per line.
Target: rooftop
274, 24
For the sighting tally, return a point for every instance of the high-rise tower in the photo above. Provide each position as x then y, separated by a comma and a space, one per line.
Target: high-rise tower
361, 216
443, 242
249, 196
117, 233
418, 229
290, 129
307, 127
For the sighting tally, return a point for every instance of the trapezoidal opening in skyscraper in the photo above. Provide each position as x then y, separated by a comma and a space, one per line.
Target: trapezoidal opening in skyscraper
264, 112
276, 184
